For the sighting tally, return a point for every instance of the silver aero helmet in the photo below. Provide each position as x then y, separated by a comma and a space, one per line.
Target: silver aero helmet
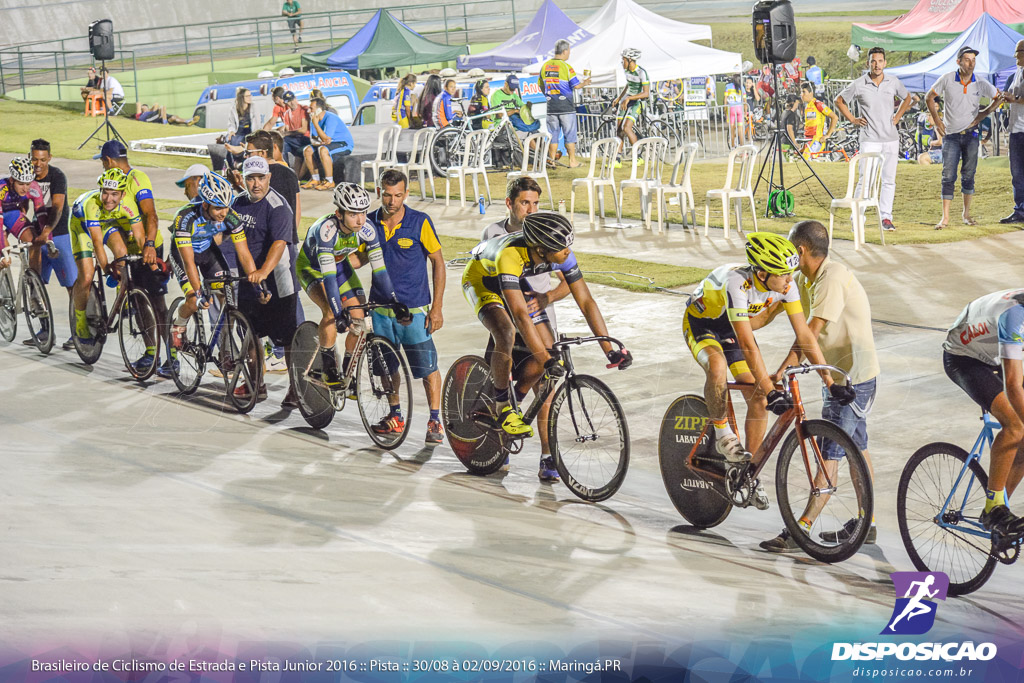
351, 197
549, 230
215, 190
21, 170
631, 53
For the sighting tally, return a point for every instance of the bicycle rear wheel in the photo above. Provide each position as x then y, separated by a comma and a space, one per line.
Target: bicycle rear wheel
446, 150
315, 402
665, 130
699, 496
243, 376
189, 363
137, 332
940, 537
96, 319
382, 375
467, 385
589, 438
38, 311
8, 306
840, 520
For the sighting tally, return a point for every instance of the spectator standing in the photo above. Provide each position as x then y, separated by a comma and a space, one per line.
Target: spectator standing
296, 123
815, 75
293, 11
507, 97
405, 102
112, 90
734, 100
817, 117
876, 94
839, 315
231, 152
331, 141
961, 94
1015, 97
558, 82
190, 181
431, 90
791, 122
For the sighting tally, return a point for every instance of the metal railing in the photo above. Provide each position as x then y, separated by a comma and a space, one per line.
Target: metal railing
23, 69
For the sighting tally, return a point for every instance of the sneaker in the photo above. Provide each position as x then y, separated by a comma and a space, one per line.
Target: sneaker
547, 471
842, 535
507, 465
243, 392
69, 345
178, 336
435, 433
783, 543
290, 401
1000, 519
143, 365
392, 424
512, 423
165, 370
329, 379
275, 364
40, 338
888, 226
730, 448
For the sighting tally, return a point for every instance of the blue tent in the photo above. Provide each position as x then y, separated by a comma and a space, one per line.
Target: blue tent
995, 43
549, 25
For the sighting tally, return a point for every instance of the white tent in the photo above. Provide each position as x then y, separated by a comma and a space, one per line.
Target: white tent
615, 11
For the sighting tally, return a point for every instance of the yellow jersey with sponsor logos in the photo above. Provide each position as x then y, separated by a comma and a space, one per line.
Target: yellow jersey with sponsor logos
732, 291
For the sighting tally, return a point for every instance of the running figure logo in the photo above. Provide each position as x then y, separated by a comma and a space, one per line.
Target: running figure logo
914, 613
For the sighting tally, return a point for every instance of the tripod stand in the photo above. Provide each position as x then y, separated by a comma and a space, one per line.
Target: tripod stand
107, 125
774, 145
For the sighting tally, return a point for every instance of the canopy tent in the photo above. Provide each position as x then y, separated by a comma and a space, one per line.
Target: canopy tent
549, 25
995, 42
934, 23
615, 11
383, 42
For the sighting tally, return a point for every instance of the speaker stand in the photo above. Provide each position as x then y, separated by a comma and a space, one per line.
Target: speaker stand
106, 126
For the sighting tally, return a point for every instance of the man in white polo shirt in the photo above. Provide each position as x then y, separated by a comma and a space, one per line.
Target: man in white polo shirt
876, 95
1015, 97
961, 92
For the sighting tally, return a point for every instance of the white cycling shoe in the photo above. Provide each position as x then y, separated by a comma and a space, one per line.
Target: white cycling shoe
731, 448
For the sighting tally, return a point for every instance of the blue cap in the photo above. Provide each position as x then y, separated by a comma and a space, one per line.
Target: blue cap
112, 149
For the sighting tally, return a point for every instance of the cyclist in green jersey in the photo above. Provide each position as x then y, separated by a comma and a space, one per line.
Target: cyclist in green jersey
633, 97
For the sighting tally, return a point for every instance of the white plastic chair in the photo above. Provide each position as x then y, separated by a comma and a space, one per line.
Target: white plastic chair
387, 153
472, 165
419, 161
536, 166
601, 175
737, 188
866, 198
645, 174
679, 185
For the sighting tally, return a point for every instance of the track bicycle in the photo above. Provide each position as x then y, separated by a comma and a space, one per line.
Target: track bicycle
940, 498
376, 375
132, 315
704, 487
449, 144
587, 429
29, 296
233, 347
648, 125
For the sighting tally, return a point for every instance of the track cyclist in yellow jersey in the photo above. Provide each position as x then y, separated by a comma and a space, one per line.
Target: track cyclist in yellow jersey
719, 323
634, 96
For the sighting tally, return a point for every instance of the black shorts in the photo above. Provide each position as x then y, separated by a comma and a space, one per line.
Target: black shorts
276, 319
153, 281
209, 263
520, 351
981, 381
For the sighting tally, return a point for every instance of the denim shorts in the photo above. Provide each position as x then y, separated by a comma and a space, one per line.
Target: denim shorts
852, 419
564, 123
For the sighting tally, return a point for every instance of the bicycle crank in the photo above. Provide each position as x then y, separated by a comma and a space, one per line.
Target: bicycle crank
1005, 549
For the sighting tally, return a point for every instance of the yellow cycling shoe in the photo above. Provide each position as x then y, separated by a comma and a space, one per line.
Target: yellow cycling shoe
513, 424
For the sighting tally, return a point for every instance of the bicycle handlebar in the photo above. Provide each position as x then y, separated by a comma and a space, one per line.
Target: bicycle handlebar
804, 368
15, 248
369, 307
229, 279
565, 342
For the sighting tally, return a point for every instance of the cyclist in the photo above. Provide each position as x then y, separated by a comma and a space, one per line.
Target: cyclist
816, 117
982, 355
719, 323
327, 276
21, 200
492, 285
633, 98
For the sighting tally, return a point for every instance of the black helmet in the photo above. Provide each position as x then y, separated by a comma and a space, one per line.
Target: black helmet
549, 230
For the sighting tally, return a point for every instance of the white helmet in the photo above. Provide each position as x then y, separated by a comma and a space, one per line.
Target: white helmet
351, 197
631, 53
21, 170
286, 72
548, 229
216, 190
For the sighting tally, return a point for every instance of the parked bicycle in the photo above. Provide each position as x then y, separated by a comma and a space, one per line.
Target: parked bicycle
504, 147
587, 428
377, 376
29, 296
835, 495
233, 347
939, 501
648, 125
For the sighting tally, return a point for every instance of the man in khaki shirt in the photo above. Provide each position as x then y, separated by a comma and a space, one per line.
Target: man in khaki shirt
839, 316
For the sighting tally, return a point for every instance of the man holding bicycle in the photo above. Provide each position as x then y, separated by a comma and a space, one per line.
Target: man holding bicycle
982, 355
492, 284
633, 98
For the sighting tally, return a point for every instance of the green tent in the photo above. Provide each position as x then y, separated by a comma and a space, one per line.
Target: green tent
384, 42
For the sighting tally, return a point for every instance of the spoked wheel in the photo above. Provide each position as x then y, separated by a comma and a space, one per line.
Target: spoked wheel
467, 387
315, 402
838, 503
610, 129
138, 334
941, 536
243, 362
8, 306
188, 363
589, 438
515, 149
96, 320
446, 150
698, 494
382, 379
38, 312
665, 130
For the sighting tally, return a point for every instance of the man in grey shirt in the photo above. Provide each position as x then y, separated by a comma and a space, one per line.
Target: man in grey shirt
876, 94
1015, 96
961, 92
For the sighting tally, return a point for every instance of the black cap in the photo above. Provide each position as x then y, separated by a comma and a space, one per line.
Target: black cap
965, 50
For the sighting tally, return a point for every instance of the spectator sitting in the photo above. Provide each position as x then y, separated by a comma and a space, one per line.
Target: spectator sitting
277, 114
444, 111
113, 90
431, 90
480, 104
296, 123
157, 113
507, 97
92, 85
316, 93
331, 138
929, 140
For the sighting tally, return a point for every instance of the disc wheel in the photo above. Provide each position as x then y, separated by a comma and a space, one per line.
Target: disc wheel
38, 312
138, 334
465, 406
8, 306
315, 403
243, 371
382, 377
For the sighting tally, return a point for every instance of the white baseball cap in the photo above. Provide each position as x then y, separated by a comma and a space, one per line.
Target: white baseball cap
193, 171
255, 165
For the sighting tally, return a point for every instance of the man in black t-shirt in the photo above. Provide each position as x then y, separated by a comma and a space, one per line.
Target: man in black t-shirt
791, 122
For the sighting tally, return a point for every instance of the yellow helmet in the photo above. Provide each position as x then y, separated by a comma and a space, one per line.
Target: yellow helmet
113, 179
771, 253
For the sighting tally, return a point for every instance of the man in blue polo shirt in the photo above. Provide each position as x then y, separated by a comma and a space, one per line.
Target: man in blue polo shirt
330, 139
409, 242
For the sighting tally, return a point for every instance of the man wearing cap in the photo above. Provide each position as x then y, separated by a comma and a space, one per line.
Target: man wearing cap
507, 97
961, 92
1014, 95
190, 181
876, 95
296, 123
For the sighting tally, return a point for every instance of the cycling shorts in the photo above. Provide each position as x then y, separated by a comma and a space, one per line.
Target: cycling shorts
633, 111
81, 241
736, 114
981, 381
703, 333
209, 263
16, 222
476, 289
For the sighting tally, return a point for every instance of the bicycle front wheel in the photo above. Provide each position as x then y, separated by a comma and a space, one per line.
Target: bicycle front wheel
662, 129
96, 320
836, 499
137, 332
589, 438
315, 402
243, 362
465, 408
188, 363
383, 380
38, 311
938, 503
8, 306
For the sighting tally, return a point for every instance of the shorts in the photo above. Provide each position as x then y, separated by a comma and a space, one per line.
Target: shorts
63, 265
523, 127
814, 146
334, 148
209, 263
294, 24
414, 338
348, 282
736, 114
480, 289
633, 111
981, 381
564, 124
147, 116
935, 155
275, 319
702, 333
852, 419
16, 222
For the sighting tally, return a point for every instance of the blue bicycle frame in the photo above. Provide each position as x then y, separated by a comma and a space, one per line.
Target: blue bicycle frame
961, 523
